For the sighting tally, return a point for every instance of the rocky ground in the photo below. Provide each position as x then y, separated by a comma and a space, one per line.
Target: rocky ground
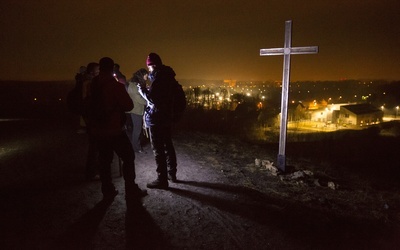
225, 198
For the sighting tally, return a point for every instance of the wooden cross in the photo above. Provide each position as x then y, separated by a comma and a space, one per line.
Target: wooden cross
287, 50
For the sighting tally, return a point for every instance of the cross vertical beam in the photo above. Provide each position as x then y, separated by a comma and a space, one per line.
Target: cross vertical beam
285, 96
286, 51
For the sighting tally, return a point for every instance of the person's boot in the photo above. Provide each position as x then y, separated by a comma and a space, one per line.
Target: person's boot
132, 190
133, 195
172, 177
109, 191
161, 183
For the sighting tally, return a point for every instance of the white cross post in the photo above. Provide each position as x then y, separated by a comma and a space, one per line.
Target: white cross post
287, 50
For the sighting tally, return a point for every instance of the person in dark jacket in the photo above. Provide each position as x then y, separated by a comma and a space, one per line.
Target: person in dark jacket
91, 172
107, 103
158, 118
79, 79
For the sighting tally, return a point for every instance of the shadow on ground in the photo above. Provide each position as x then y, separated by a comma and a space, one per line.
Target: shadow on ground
310, 228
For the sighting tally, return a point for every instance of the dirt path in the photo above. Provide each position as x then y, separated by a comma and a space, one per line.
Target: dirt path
220, 202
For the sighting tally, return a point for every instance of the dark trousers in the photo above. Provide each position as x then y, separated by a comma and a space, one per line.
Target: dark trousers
121, 145
163, 149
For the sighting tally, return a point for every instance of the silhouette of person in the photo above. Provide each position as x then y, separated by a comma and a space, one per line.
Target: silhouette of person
79, 79
106, 106
92, 169
158, 118
135, 116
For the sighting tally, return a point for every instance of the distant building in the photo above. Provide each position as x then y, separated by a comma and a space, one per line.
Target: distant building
329, 113
296, 111
360, 115
319, 115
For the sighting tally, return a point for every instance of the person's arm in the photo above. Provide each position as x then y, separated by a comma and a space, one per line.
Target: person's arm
144, 92
137, 96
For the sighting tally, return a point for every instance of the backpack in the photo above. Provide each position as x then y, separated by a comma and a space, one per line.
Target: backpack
179, 102
75, 99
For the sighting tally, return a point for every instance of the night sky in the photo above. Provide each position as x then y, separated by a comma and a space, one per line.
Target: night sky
207, 39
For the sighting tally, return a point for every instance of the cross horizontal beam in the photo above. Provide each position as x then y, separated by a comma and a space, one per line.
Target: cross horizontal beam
289, 51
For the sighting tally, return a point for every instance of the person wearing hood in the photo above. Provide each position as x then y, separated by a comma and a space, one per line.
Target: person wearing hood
159, 118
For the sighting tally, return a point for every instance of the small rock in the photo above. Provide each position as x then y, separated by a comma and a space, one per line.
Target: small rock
308, 172
331, 185
266, 163
297, 175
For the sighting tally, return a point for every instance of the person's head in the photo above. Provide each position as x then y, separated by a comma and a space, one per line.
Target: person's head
82, 70
93, 69
106, 65
140, 76
116, 67
153, 61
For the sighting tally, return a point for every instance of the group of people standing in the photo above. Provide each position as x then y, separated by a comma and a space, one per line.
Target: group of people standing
114, 110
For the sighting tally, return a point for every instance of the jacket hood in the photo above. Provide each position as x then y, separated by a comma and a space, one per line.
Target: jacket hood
164, 71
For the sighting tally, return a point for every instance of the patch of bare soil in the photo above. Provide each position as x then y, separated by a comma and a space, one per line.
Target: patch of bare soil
223, 199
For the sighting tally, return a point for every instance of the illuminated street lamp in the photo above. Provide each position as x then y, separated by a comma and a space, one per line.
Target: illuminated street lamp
397, 111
